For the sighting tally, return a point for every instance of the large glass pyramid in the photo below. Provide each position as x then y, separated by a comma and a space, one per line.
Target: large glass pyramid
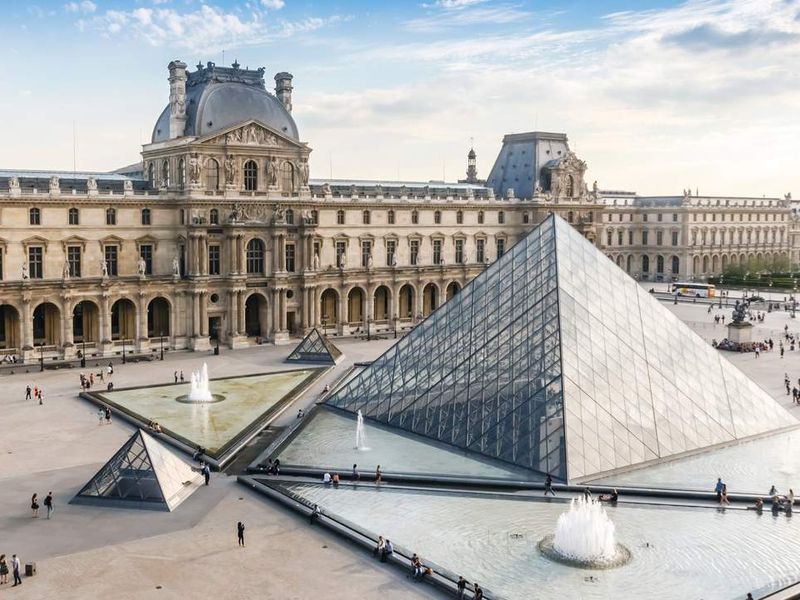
315, 347
555, 360
142, 474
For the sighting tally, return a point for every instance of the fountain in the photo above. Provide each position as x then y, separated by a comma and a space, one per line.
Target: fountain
361, 435
585, 537
199, 391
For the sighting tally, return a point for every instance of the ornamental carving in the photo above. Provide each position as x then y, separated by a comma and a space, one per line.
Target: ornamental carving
249, 135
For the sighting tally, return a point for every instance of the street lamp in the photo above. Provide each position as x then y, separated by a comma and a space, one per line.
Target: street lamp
123, 350
721, 280
41, 357
83, 353
395, 326
367, 319
162, 345
216, 336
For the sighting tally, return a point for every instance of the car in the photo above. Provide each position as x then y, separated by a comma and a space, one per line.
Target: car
756, 299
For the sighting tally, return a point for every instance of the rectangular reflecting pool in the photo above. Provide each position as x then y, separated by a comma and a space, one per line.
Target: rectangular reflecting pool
328, 442
678, 553
247, 400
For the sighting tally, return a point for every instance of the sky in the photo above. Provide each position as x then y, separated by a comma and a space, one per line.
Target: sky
656, 96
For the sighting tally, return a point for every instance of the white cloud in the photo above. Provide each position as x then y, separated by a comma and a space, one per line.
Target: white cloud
273, 4
85, 7
455, 4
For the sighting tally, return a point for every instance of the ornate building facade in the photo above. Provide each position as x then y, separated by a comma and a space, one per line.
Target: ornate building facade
220, 234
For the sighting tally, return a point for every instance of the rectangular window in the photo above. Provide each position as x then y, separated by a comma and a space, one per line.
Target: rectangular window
659, 238
414, 248
74, 260
480, 251
214, 259
437, 252
644, 238
366, 252
630, 238
660, 217
289, 257
146, 252
526, 218
391, 249
501, 247
35, 262
620, 217
619, 238
390, 217
674, 238
674, 217
340, 217
111, 253
318, 248
644, 217
341, 251
460, 251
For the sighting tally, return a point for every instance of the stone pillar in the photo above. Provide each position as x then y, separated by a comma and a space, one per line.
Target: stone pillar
240, 300
340, 324
204, 314
419, 301
196, 314
240, 268
282, 296
233, 313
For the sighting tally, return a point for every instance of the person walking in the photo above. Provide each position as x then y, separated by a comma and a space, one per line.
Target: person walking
356, 474
35, 506
28, 392
462, 588
108, 415
3, 569
41, 399
718, 489
15, 569
378, 475
206, 472
548, 485
478, 593
176, 376
48, 503
110, 369
240, 533
181, 375
314, 515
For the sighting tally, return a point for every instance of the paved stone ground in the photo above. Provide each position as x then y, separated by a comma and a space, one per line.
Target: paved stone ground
89, 552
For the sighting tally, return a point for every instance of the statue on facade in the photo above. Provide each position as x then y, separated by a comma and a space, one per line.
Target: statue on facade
304, 172
91, 184
141, 266
326, 189
13, 183
194, 169
278, 214
393, 260
510, 193
127, 185
103, 267
230, 170
272, 171
342, 260
787, 196
379, 190
353, 191
176, 266
315, 262
25, 274
237, 214
65, 270
370, 264
595, 189
54, 183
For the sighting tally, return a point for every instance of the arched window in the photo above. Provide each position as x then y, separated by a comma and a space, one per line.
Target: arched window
437, 217
659, 264
289, 216
340, 217
414, 217
212, 175
250, 176
213, 216
111, 216
255, 256
501, 217
365, 217
480, 217
459, 217
35, 216
570, 186
390, 217
570, 217
181, 172
165, 173
145, 216
676, 265
645, 264
151, 175
74, 216
287, 177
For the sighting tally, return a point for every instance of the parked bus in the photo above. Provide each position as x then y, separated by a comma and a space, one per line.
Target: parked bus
694, 290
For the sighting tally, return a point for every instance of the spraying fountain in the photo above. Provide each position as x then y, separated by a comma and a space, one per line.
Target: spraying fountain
199, 390
361, 436
585, 537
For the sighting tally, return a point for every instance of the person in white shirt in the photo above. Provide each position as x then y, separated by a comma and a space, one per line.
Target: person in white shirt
15, 566
326, 478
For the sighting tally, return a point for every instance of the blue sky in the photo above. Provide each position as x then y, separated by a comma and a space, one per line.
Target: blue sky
655, 96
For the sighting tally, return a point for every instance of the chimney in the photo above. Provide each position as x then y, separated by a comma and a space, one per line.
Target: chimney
177, 98
283, 89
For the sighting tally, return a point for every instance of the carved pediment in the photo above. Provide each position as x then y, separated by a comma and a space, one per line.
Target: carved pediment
252, 133
35, 240
74, 240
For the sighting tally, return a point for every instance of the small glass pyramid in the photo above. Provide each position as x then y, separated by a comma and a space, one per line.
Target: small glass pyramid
315, 347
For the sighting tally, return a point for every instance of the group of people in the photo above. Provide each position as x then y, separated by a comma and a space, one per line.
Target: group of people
10, 359
273, 467
48, 504
12, 565
154, 426
87, 381
794, 391
104, 414
780, 502
721, 490
34, 393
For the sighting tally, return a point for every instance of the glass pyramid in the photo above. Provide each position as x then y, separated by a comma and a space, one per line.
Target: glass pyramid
143, 474
315, 347
555, 360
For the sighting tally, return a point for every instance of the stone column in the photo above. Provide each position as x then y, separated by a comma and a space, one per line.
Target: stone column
240, 308
196, 314
204, 314
276, 305
342, 312
66, 326
105, 319
233, 313
283, 309
240, 267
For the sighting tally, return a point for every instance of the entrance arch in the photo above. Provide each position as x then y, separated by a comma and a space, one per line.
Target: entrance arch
10, 334
46, 325
329, 307
85, 322
158, 321
452, 289
123, 320
405, 302
355, 305
381, 304
255, 315
430, 299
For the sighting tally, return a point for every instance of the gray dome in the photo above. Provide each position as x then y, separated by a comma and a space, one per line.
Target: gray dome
214, 103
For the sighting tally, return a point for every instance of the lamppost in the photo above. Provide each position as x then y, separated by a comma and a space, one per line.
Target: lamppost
324, 328
162, 345
395, 326
123, 350
216, 336
367, 320
41, 357
721, 280
83, 353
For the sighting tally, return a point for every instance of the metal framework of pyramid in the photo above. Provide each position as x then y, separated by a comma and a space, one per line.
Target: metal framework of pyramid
555, 360
315, 347
143, 473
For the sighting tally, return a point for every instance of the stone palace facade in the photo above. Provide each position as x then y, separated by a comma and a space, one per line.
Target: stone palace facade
219, 235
